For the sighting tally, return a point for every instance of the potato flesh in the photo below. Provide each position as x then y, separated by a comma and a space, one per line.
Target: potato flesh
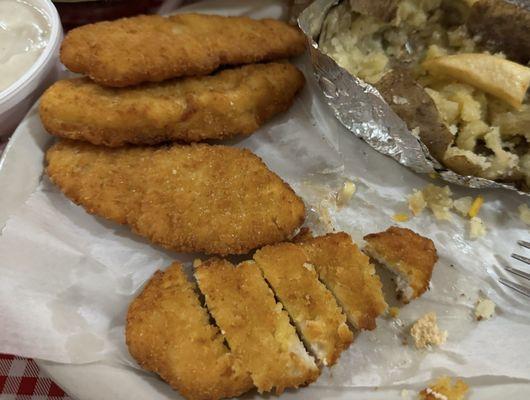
366, 46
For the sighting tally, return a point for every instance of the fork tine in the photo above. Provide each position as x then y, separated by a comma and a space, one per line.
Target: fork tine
523, 243
521, 258
518, 272
515, 286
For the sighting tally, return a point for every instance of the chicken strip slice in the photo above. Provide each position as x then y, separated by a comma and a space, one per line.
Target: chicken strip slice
319, 320
348, 274
408, 255
152, 48
230, 103
168, 332
197, 198
256, 327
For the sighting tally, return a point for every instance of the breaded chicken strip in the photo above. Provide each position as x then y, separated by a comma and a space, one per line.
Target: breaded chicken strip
407, 254
314, 310
232, 102
152, 48
347, 272
256, 327
197, 198
168, 332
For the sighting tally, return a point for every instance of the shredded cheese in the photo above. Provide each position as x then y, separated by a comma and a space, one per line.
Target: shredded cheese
400, 217
475, 207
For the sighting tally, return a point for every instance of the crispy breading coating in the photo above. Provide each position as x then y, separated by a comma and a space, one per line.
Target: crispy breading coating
152, 48
256, 327
304, 234
320, 321
409, 255
348, 274
197, 198
232, 102
444, 388
168, 332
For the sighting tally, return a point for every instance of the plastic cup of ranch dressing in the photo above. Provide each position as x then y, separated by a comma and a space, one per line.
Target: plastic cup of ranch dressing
30, 37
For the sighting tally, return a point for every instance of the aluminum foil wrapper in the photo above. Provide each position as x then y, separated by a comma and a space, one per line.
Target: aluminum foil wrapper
296, 8
360, 107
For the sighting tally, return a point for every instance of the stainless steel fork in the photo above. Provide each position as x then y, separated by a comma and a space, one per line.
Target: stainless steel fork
525, 290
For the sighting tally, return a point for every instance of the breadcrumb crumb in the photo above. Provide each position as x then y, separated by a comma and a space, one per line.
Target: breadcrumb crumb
426, 332
393, 312
463, 205
444, 389
439, 200
416, 202
476, 228
324, 215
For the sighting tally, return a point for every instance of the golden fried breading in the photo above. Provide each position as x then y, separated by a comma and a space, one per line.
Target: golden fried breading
232, 102
313, 309
407, 254
444, 388
347, 272
152, 48
197, 198
256, 328
168, 332
303, 235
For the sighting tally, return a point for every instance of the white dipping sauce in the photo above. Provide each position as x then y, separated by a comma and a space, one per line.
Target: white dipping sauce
24, 33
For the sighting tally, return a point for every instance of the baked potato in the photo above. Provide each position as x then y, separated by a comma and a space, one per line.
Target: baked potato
452, 70
501, 27
384, 10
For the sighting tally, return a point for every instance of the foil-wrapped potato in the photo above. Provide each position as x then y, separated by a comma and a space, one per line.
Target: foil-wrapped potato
453, 70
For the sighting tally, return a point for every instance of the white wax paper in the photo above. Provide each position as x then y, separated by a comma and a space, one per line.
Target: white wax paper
67, 277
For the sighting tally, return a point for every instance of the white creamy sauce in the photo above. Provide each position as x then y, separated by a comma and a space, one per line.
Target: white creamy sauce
24, 33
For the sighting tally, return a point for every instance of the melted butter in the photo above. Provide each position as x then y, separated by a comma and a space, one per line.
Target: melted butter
24, 33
